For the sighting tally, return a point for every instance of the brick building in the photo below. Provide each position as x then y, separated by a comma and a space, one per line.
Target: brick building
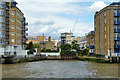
107, 30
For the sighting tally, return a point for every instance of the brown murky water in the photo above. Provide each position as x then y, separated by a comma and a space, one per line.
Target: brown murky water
60, 69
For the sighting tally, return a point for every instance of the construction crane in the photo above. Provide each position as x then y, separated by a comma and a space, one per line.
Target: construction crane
74, 26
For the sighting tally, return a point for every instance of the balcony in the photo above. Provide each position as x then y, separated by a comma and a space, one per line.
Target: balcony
117, 46
26, 34
26, 28
63, 36
117, 38
116, 30
91, 47
26, 24
116, 15
116, 22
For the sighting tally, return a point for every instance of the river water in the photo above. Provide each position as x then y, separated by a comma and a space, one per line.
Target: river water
60, 69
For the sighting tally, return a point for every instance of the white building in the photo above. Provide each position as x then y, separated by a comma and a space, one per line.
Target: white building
82, 43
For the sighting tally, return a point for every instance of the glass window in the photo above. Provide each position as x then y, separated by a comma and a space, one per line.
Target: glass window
105, 36
13, 19
104, 20
13, 26
12, 33
116, 12
105, 28
12, 40
104, 13
105, 43
116, 20
13, 12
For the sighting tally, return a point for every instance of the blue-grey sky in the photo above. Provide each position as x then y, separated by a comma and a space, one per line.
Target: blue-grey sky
52, 17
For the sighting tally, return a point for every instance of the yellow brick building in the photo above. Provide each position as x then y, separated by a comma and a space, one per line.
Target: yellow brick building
15, 27
67, 38
107, 30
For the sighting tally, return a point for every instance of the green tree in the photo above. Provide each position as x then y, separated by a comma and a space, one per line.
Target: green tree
36, 45
30, 47
65, 48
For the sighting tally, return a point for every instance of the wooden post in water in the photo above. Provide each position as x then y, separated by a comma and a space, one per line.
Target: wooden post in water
117, 57
110, 57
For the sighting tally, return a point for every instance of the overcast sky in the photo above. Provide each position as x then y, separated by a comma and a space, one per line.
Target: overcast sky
52, 17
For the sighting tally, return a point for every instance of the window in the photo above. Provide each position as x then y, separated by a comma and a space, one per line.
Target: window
104, 13
13, 26
116, 20
13, 19
116, 12
13, 12
105, 36
105, 28
12, 40
12, 33
105, 21
105, 43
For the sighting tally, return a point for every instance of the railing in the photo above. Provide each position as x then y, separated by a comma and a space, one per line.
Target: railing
117, 46
116, 22
117, 38
63, 36
91, 47
26, 24
26, 29
118, 14
116, 30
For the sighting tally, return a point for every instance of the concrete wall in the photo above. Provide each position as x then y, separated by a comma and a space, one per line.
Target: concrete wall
51, 54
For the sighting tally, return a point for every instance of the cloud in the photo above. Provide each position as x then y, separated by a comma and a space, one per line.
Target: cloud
96, 6
53, 18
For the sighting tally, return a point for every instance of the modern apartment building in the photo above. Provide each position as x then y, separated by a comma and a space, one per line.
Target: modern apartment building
107, 30
90, 41
67, 38
12, 28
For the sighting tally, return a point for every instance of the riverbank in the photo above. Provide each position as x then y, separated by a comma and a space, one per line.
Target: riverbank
93, 59
80, 58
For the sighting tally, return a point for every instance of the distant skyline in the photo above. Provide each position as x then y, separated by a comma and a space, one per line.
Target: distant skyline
53, 18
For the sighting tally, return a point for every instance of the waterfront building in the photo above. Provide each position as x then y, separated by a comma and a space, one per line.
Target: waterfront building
90, 41
67, 38
50, 44
77, 38
12, 28
82, 43
32, 39
107, 30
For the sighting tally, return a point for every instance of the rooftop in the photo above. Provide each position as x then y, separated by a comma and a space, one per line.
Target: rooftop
115, 4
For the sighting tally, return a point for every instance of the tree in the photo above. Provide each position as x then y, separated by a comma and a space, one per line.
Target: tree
36, 45
65, 48
30, 47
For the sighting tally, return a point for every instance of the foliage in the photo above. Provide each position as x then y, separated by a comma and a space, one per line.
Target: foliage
36, 45
83, 52
65, 48
30, 47
31, 51
74, 42
49, 50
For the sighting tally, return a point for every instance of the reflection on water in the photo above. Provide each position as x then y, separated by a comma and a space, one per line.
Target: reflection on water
60, 69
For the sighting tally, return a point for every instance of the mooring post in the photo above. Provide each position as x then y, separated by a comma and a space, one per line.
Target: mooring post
117, 57
110, 58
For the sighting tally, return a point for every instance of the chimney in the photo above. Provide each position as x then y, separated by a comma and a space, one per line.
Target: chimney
49, 39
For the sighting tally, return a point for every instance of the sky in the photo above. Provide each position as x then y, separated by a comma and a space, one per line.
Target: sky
52, 17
